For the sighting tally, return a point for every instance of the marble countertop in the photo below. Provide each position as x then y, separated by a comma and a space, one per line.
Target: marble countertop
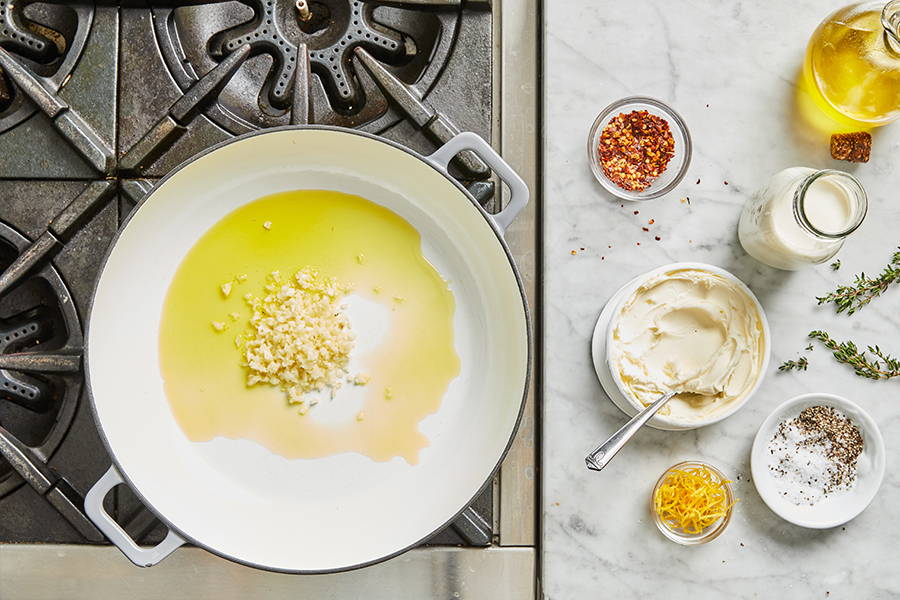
730, 70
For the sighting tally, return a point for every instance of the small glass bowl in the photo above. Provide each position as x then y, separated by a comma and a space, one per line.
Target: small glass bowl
708, 534
676, 168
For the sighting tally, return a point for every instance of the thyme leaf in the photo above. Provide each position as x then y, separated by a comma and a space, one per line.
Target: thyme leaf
851, 298
877, 364
800, 364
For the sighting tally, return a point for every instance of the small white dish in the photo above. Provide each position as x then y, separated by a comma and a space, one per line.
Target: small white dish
613, 386
836, 509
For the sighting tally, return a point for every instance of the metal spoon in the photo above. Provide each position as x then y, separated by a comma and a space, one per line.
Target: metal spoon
603, 453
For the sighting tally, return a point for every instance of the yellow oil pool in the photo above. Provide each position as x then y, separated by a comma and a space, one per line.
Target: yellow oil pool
363, 245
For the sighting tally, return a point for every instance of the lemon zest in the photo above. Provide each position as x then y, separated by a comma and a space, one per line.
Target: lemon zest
692, 499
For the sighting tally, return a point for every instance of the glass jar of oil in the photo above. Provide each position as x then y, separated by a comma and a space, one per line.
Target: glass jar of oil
853, 63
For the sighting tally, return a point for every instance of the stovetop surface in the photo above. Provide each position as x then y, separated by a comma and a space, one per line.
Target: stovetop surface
92, 94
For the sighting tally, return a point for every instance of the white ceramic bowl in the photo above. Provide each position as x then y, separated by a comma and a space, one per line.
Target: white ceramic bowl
609, 378
836, 509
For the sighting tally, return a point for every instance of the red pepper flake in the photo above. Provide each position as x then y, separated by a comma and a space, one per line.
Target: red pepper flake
651, 221
645, 229
582, 249
726, 183
602, 258
573, 253
637, 212
635, 149
657, 238
638, 243
698, 181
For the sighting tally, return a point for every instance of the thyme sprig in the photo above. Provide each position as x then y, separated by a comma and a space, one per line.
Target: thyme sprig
851, 298
882, 366
801, 364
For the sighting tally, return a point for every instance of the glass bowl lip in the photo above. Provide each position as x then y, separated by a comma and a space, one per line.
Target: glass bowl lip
675, 121
711, 532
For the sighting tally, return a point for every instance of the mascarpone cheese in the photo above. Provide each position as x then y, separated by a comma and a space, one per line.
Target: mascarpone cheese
693, 331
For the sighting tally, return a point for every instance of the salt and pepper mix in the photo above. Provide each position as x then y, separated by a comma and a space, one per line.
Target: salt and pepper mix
813, 456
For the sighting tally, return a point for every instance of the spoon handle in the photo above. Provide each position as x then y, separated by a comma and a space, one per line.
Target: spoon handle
603, 453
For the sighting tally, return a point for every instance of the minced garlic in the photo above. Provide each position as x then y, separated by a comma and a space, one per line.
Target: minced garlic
299, 339
267, 225
226, 288
218, 325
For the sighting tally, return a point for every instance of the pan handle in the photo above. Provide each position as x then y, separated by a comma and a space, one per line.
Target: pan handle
93, 506
467, 140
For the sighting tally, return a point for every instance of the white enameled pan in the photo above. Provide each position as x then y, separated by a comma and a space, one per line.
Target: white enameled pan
237, 499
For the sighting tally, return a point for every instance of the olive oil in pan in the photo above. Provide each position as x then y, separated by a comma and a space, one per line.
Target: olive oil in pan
366, 247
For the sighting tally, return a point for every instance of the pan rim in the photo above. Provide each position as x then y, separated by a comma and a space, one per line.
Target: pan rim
526, 383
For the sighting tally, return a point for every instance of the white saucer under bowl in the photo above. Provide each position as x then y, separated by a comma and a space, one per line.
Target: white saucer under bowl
836, 509
602, 332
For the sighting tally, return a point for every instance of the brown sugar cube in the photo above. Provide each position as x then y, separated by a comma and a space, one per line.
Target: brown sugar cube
855, 147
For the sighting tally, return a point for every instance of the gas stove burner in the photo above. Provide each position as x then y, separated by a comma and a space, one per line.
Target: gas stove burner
49, 39
17, 333
413, 41
38, 325
331, 29
27, 38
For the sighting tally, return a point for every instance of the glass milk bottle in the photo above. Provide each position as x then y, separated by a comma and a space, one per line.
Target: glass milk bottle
802, 217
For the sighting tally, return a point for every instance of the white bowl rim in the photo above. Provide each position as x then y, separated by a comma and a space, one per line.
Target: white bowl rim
864, 419
625, 292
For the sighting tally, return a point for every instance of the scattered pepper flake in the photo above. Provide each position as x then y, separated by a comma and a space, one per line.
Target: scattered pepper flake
637, 212
657, 238
726, 182
698, 181
645, 229
635, 149
572, 252
651, 221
